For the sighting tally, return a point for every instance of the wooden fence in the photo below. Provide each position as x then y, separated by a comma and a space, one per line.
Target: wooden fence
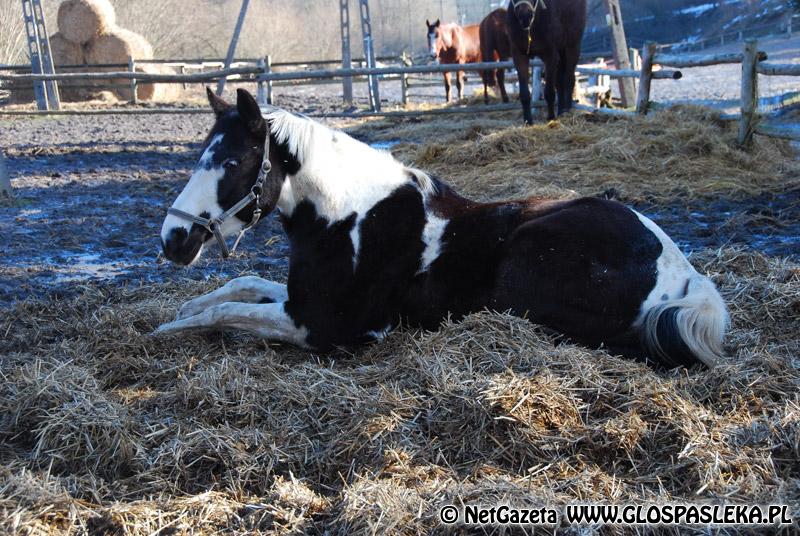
266, 76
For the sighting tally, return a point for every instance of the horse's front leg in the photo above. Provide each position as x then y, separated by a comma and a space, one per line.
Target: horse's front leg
447, 85
248, 289
460, 84
268, 320
522, 63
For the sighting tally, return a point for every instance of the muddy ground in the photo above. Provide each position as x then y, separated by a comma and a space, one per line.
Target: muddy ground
92, 193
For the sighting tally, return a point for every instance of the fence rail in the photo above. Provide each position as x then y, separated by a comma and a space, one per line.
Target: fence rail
653, 61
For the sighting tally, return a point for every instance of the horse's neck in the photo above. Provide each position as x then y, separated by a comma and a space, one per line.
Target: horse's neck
341, 176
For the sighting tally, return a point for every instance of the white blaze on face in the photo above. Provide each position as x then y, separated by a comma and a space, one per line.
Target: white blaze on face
200, 195
432, 44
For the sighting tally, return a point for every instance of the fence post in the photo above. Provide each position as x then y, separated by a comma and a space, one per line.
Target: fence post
404, 80
268, 69
132, 69
5, 181
636, 65
536, 94
645, 79
261, 95
749, 92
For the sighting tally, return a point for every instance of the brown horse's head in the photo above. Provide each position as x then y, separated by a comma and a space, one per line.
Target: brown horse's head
438, 38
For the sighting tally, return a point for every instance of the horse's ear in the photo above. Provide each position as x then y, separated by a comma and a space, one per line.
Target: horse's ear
250, 112
217, 104
437, 23
427, 23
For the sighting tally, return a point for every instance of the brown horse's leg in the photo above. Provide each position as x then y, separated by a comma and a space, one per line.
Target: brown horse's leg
460, 84
551, 81
570, 59
522, 63
501, 83
447, 85
561, 85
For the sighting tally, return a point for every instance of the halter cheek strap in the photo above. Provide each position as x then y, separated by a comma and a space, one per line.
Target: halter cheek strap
214, 225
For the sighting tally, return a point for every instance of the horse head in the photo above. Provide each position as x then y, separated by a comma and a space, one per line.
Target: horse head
436, 38
227, 191
525, 11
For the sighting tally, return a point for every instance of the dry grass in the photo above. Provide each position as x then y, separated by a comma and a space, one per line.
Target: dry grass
108, 429
684, 153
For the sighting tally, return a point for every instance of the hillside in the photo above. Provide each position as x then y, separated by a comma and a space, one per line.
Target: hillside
670, 21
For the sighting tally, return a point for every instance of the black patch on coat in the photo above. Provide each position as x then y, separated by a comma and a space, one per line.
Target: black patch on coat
240, 143
336, 304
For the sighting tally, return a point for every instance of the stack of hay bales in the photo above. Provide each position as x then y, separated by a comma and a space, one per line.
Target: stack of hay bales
88, 35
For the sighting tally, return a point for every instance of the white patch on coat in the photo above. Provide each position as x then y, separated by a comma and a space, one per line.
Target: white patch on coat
432, 238
382, 334
702, 317
200, 194
338, 175
355, 238
673, 270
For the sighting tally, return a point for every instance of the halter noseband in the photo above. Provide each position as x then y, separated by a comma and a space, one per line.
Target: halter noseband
214, 225
535, 8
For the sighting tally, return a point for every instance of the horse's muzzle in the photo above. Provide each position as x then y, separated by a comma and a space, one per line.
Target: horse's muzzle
181, 247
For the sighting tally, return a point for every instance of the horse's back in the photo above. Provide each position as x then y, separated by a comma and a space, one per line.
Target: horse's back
583, 267
493, 36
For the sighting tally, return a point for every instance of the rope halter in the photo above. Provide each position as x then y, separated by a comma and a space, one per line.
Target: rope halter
535, 8
214, 225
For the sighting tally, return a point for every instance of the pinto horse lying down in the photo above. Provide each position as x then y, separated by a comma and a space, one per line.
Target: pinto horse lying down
375, 243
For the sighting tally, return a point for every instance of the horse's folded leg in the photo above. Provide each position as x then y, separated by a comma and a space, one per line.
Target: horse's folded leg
248, 289
269, 321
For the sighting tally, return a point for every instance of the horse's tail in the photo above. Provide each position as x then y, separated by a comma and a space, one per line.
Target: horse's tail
688, 330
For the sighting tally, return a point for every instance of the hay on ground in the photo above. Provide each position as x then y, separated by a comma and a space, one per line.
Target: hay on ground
208, 433
687, 152
80, 21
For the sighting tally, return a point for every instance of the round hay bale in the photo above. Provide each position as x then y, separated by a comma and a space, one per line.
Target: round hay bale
116, 46
65, 52
158, 92
81, 20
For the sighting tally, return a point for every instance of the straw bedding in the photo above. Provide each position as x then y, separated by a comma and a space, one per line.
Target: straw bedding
113, 432
687, 152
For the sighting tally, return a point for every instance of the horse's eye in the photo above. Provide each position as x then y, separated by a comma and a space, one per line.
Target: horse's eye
230, 163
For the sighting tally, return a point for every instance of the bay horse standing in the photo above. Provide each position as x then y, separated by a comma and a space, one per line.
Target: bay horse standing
374, 244
494, 47
551, 30
452, 44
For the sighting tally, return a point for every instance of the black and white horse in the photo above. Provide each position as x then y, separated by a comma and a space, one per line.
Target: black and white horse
375, 243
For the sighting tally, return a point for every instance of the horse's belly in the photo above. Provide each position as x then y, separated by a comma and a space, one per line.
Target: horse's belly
585, 269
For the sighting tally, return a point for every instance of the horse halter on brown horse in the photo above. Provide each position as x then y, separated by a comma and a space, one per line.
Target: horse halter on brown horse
534, 7
214, 225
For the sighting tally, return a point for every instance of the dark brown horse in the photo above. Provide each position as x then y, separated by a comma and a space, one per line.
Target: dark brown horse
494, 47
551, 30
451, 44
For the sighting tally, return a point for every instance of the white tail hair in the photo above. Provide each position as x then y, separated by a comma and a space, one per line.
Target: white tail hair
694, 324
